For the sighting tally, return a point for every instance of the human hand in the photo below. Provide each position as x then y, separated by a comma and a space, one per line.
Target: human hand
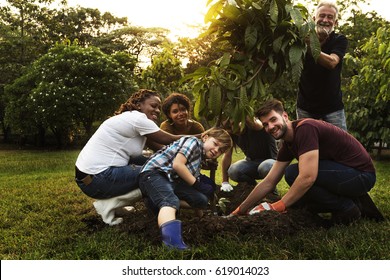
226, 187
265, 206
204, 188
236, 213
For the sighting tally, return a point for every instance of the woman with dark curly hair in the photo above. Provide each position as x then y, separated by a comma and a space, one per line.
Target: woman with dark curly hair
177, 109
105, 169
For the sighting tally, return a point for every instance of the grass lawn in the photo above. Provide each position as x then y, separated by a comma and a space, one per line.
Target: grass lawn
43, 214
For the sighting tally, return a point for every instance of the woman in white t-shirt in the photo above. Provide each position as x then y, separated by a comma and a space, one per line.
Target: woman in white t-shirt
105, 169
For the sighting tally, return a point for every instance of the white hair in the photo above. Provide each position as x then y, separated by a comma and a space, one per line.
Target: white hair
329, 4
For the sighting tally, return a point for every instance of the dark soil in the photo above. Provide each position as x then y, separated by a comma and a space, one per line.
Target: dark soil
213, 223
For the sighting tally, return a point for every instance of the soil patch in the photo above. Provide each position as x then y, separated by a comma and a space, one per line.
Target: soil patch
214, 223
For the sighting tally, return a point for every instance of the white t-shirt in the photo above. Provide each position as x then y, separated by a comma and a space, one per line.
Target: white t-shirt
117, 140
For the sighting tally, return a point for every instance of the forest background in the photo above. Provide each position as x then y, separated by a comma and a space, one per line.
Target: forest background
66, 69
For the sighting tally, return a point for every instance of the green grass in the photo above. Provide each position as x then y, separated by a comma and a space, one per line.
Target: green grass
42, 212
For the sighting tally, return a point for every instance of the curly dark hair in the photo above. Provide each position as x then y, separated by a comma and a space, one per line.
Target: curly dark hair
175, 98
136, 98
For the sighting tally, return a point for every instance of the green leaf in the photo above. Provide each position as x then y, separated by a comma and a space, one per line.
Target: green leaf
250, 37
297, 70
255, 88
261, 87
238, 69
295, 54
213, 11
315, 46
231, 12
277, 44
215, 100
243, 97
199, 106
274, 12
297, 17
224, 60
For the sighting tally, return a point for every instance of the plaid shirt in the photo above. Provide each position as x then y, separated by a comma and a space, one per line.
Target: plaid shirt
190, 146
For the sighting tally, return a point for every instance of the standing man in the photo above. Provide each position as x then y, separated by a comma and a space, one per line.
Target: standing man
333, 175
319, 93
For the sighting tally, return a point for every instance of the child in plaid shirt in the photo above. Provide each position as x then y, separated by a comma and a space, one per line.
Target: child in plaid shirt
173, 174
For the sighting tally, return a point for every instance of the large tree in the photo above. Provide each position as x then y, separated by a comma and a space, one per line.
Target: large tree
29, 28
260, 41
369, 91
68, 87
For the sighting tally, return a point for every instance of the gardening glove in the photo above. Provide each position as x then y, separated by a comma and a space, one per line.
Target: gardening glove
204, 188
236, 213
265, 206
226, 187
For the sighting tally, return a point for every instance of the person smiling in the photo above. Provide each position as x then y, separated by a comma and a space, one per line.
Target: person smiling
171, 179
333, 175
104, 167
177, 108
319, 89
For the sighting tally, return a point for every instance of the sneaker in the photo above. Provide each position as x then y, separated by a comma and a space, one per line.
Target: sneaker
346, 217
368, 208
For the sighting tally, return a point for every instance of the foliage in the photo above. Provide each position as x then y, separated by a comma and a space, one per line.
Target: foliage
359, 28
369, 91
16, 99
164, 73
260, 40
71, 85
30, 28
198, 52
137, 41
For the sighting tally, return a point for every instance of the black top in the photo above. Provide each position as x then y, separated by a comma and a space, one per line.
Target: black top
256, 144
319, 87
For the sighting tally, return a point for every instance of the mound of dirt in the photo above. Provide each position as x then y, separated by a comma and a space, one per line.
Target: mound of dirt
214, 223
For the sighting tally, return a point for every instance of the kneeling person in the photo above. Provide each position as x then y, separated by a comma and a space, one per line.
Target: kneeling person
173, 174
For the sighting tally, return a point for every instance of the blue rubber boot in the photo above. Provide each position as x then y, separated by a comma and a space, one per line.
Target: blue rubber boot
171, 235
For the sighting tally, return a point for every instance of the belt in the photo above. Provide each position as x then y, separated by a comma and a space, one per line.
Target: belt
83, 177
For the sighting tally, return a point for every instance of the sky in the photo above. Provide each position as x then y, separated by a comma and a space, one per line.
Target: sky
176, 15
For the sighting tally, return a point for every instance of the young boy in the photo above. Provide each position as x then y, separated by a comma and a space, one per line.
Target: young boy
173, 174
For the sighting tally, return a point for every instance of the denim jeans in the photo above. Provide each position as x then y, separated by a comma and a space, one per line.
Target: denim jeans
336, 118
335, 187
112, 182
161, 192
246, 170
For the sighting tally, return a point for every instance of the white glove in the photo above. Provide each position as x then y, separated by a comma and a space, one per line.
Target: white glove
226, 187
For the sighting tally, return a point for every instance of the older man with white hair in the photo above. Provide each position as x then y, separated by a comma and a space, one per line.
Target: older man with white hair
319, 93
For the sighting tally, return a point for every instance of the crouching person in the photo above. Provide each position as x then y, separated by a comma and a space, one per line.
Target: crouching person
334, 172
172, 175
106, 168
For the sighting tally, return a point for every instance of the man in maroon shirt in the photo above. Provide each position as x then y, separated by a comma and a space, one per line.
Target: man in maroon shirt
334, 172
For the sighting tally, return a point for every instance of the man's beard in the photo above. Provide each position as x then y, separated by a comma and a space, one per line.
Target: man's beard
282, 131
323, 32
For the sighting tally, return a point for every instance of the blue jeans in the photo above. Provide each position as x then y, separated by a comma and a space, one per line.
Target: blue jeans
161, 192
336, 118
335, 187
114, 181
246, 170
